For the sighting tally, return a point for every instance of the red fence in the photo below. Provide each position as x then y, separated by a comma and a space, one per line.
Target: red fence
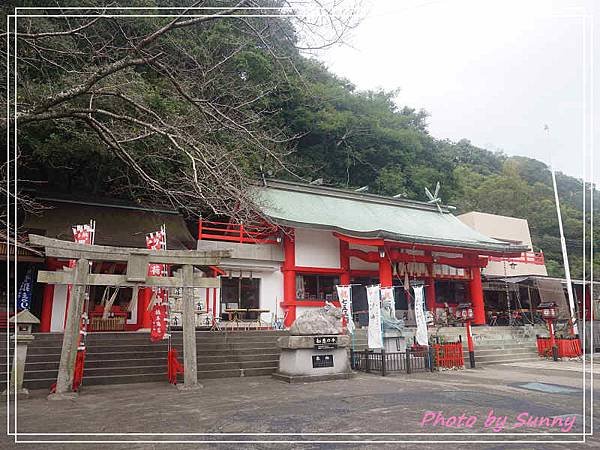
567, 347
525, 258
449, 355
238, 232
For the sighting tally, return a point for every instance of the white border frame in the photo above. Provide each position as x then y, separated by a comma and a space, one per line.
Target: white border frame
587, 128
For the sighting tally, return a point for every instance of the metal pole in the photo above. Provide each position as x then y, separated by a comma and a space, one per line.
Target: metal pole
563, 246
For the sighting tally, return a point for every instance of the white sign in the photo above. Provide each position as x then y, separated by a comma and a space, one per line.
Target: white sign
421, 334
374, 335
344, 295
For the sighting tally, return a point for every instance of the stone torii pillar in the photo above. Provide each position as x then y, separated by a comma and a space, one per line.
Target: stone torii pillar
66, 367
136, 276
190, 364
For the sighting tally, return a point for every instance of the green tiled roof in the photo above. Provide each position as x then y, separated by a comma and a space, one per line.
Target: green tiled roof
371, 216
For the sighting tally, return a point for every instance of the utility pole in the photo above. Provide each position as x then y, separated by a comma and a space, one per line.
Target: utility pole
563, 245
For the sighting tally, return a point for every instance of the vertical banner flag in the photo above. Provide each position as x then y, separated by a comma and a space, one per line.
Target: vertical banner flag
82, 234
24, 294
421, 334
387, 299
158, 329
344, 295
374, 333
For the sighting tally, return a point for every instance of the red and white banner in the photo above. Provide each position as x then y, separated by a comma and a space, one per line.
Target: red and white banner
345, 297
82, 234
158, 329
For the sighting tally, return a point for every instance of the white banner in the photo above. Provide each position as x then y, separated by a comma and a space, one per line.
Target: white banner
344, 296
421, 334
374, 334
387, 299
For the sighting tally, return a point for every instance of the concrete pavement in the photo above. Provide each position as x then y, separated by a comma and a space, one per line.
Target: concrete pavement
546, 398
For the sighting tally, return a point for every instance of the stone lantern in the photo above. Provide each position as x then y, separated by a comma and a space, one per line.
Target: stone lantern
24, 322
549, 312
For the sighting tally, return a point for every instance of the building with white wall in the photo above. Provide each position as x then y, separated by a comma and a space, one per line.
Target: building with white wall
318, 237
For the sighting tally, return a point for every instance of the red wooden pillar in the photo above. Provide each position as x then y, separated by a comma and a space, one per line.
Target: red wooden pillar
144, 318
344, 263
289, 277
476, 293
385, 271
46, 316
430, 287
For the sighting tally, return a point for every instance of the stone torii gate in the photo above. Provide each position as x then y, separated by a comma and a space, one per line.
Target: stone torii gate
136, 276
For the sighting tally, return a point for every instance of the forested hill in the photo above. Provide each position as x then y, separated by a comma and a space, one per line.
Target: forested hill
221, 102
357, 139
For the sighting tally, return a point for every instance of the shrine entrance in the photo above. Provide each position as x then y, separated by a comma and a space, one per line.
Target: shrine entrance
135, 277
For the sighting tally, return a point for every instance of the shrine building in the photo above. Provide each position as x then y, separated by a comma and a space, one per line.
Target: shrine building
318, 237
313, 238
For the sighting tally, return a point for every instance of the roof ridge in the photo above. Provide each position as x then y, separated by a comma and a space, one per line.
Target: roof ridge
349, 194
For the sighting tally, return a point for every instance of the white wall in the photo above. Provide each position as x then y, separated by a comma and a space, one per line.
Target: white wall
498, 227
271, 294
317, 248
59, 305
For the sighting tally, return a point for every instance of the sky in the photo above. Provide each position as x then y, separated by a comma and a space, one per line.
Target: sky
490, 71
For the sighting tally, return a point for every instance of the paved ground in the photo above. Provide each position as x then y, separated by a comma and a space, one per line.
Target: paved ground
365, 404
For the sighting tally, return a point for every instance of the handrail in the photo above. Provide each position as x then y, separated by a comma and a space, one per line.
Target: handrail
525, 258
237, 232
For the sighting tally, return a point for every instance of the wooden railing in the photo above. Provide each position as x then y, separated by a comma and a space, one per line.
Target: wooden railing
238, 232
525, 258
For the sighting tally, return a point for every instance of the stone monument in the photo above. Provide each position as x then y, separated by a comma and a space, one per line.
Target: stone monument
316, 349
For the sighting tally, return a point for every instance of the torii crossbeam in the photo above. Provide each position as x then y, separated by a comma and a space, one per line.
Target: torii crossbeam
136, 276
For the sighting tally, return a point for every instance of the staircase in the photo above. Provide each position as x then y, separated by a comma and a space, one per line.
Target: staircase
498, 345
493, 345
115, 358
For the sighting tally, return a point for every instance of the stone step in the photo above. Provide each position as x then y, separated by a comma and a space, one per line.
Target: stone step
131, 357
201, 347
45, 383
493, 351
508, 359
500, 357
156, 368
143, 362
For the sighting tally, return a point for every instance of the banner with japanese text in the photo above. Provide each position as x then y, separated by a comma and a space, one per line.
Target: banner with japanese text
374, 335
158, 313
24, 294
421, 334
345, 297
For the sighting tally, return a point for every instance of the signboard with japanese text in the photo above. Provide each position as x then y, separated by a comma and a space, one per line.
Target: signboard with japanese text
374, 334
345, 298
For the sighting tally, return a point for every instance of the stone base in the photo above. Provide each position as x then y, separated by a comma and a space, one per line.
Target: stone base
63, 396
311, 378
299, 362
183, 387
21, 393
